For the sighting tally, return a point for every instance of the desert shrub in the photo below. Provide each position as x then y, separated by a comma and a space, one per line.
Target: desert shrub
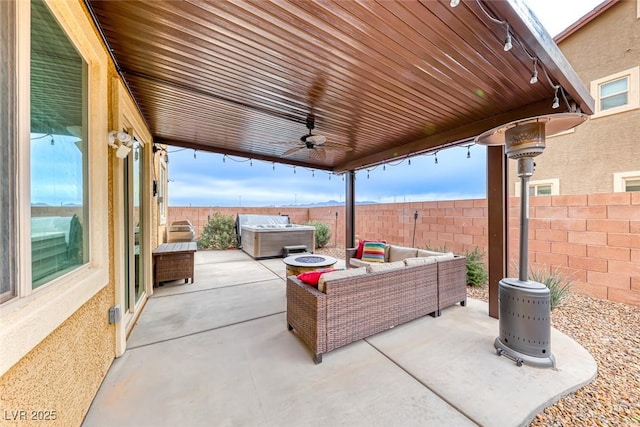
219, 233
323, 233
558, 283
476, 271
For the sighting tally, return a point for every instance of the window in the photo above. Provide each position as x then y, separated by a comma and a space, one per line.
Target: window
7, 156
53, 162
616, 93
626, 181
546, 187
58, 150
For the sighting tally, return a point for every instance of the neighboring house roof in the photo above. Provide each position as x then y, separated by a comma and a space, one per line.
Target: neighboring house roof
597, 11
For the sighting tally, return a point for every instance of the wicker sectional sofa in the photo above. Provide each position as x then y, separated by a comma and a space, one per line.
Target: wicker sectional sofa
346, 309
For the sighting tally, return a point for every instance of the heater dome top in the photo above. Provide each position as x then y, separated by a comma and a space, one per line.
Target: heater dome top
553, 123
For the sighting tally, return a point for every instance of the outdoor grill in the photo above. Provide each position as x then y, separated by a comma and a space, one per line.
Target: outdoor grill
524, 305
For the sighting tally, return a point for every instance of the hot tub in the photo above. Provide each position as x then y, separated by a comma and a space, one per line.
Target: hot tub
262, 241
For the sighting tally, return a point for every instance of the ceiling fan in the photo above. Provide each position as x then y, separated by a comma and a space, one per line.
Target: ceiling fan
316, 144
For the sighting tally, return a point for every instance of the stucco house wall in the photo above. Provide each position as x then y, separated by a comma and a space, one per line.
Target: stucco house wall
57, 344
584, 161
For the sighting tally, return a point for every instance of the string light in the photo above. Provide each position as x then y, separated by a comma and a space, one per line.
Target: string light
224, 158
384, 167
534, 74
454, 3
435, 155
507, 40
251, 162
468, 151
556, 101
409, 162
52, 141
367, 173
313, 173
273, 165
294, 169
194, 154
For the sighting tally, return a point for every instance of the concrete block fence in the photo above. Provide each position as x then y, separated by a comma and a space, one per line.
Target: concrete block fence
593, 238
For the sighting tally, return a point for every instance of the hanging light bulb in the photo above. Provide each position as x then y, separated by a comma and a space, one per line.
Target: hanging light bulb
556, 101
507, 41
251, 162
294, 169
534, 74
436, 158
367, 173
224, 158
273, 166
313, 173
409, 162
468, 151
194, 154
52, 141
384, 167
454, 3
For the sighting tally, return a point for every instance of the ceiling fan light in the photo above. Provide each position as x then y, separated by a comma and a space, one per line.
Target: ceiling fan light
316, 139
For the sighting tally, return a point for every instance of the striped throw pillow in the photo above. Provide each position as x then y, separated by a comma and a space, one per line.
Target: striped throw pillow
373, 252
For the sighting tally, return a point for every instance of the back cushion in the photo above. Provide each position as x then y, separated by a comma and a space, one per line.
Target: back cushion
410, 262
340, 274
398, 253
373, 252
372, 268
423, 252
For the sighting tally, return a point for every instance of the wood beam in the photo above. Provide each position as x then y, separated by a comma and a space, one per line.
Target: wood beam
446, 139
497, 197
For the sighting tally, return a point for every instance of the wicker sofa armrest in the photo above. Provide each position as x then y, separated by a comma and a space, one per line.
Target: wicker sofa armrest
306, 314
452, 281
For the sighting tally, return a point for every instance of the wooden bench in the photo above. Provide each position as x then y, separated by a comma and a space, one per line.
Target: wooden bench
173, 261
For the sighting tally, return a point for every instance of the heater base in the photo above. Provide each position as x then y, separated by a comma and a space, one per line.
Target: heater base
524, 359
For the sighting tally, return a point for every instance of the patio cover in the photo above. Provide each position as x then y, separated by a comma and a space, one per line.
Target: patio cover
385, 79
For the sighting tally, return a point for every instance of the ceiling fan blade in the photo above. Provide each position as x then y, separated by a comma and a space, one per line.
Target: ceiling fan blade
292, 150
332, 146
318, 153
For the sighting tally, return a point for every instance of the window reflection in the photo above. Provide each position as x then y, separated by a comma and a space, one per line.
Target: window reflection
58, 153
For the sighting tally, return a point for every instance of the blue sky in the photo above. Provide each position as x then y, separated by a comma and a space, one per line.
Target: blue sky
208, 181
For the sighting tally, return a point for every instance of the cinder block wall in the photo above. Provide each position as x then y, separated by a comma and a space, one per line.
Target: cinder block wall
593, 238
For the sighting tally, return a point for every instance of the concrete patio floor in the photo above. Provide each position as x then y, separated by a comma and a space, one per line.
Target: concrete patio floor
217, 353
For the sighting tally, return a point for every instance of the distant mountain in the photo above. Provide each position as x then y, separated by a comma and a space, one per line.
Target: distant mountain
328, 203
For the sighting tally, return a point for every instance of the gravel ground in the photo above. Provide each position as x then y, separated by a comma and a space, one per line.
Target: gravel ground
611, 333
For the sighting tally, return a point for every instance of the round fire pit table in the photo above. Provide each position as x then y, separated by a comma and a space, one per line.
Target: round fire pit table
300, 263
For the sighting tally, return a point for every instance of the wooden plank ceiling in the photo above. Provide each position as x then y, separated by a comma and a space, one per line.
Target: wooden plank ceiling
383, 79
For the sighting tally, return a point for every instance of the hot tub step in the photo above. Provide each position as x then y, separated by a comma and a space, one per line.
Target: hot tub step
294, 249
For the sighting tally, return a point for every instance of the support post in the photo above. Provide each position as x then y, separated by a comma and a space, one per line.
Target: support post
497, 199
350, 211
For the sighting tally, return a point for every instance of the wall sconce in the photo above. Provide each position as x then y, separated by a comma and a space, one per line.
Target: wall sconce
121, 142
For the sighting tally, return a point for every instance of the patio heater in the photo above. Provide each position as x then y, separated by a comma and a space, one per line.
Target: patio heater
524, 305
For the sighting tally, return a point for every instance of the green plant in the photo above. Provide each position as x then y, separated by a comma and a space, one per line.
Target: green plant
476, 271
558, 283
323, 233
219, 233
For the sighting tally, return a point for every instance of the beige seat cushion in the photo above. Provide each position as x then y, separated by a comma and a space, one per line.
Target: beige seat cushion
341, 274
399, 253
385, 266
355, 262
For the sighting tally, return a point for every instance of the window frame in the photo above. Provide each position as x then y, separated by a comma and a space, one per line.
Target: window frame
33, 314
553, 182
633, 92
620, 178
